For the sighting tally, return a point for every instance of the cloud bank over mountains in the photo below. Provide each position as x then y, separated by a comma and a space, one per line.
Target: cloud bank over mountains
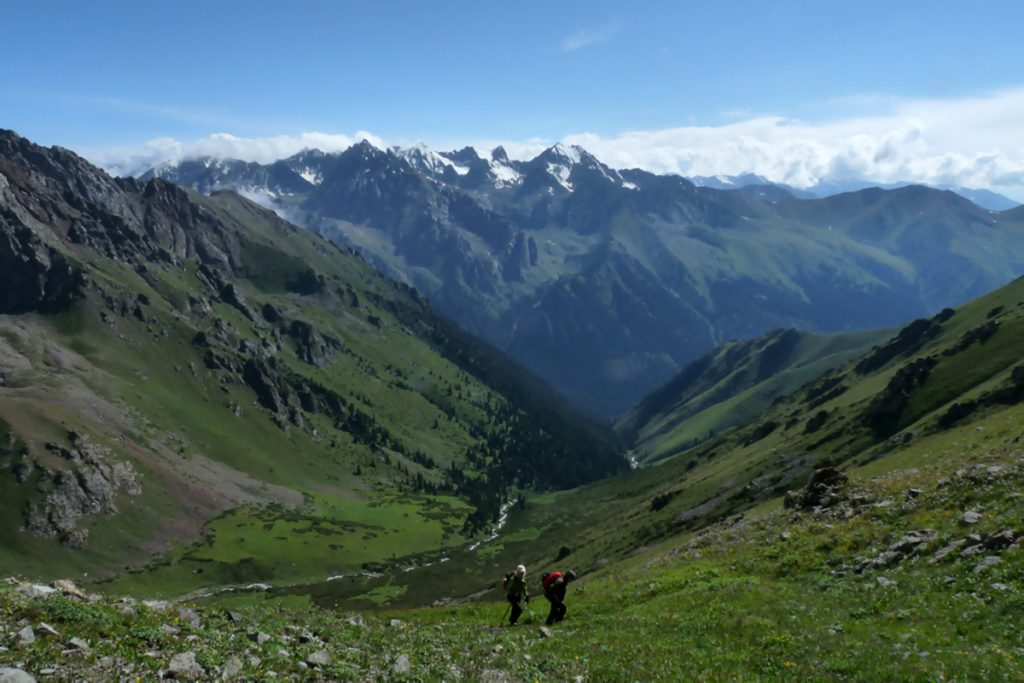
975, 142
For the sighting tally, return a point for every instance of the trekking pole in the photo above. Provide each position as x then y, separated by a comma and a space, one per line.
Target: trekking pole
505, 614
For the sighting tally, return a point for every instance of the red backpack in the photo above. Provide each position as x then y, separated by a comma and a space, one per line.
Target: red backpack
549, 580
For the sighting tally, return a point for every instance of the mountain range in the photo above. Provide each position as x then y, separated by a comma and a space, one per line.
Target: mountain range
203, 403
168, 358
606, 282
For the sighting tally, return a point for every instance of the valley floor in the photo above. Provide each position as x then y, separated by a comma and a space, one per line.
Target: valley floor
914, 572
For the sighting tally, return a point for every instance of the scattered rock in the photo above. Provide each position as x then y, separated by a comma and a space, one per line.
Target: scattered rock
913, 541
972, 550
889, 557
259, 637
9, 675
357, 620
79, 644
884, 582
988, 562
402, 664
545, 632
496, 676
1000, 540
232, 667
35, 591
396, 623
68, 588
970, 517
26, 637
234, 617
319, 658
47, 629
944, 552
190, 617
184, 666
914, 493
169, 630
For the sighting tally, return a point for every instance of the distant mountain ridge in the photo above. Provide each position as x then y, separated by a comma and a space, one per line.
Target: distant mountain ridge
751, 182
606, 282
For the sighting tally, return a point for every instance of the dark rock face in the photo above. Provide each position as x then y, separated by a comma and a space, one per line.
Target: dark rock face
885, 410
257, 375
313, 348
87, 483
34, 276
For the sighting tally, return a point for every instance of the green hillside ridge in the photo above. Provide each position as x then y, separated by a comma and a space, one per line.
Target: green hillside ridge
732, 385
192, 378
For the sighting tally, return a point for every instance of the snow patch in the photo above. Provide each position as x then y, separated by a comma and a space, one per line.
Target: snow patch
423, 157
311, 176
503, 174
560, 172
572, 152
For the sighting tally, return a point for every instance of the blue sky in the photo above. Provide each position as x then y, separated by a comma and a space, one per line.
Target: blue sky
105, 77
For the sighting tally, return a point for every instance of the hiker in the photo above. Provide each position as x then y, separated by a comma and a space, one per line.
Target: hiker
515, 592
554, 590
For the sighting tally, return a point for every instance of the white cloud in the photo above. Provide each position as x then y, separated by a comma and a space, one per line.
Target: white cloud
136, 160
974, 142
586, 37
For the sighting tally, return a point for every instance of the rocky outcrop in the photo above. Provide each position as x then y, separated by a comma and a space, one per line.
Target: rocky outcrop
884, 412
312, 347
87, 482
824, 488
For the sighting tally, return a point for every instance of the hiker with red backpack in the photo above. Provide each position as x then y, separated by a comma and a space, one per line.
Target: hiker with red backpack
515, 592
554, 590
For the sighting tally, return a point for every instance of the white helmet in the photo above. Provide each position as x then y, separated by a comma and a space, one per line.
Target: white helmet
521, 570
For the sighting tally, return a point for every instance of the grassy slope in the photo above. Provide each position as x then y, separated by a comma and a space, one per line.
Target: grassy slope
752, 598
734, 384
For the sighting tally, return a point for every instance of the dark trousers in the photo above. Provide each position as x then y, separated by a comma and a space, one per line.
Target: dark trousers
557, 600
516, 611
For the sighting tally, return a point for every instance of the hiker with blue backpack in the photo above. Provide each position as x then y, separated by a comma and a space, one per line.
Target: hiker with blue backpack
555, 584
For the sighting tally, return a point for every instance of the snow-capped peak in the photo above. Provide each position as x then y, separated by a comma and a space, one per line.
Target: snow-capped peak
422, 157
572, 153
